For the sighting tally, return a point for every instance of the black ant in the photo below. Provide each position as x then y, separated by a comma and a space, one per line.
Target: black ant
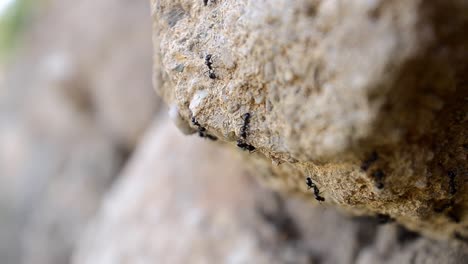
205, 2
200, 128
369, 161
209, 64
211, 74
208, 61
202, 131
452, 183
243, 134
311, 185
241, 144
378, 176
246, 118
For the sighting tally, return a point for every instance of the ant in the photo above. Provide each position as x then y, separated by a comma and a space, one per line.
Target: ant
378, 176
246, 118
211, 74
243, 133
241, 144
452, 183
311, 185
202, 131
200, 128
205, 2
368, 162
209, 63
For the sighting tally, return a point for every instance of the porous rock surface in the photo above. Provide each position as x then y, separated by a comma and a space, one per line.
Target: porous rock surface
368, 98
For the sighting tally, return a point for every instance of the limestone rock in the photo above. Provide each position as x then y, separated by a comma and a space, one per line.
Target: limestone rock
368, 98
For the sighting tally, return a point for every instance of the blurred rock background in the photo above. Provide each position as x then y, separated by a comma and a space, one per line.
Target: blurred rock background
75, 98
92, 172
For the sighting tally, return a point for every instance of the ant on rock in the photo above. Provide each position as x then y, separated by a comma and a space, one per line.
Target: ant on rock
245, 146
373, 157
311, 185
243, 134
202, 131
209, 64
379, 178
246, 118
205, 2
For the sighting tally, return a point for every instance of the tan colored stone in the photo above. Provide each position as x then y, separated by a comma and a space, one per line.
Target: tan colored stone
327, 83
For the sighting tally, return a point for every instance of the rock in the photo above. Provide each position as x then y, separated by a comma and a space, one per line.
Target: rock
172, 213
73, 103
210, 211
59, 209
368, 98
107, 71
51, 182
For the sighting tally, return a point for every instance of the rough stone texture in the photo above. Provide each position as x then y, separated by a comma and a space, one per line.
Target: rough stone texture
327, 83
210, 211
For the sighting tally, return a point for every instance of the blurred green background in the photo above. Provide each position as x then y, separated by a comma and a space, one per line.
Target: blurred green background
13, 17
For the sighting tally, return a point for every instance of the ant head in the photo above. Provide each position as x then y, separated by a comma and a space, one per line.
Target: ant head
208, 57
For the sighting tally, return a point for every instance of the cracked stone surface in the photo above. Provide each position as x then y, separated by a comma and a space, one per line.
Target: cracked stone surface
368, 98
